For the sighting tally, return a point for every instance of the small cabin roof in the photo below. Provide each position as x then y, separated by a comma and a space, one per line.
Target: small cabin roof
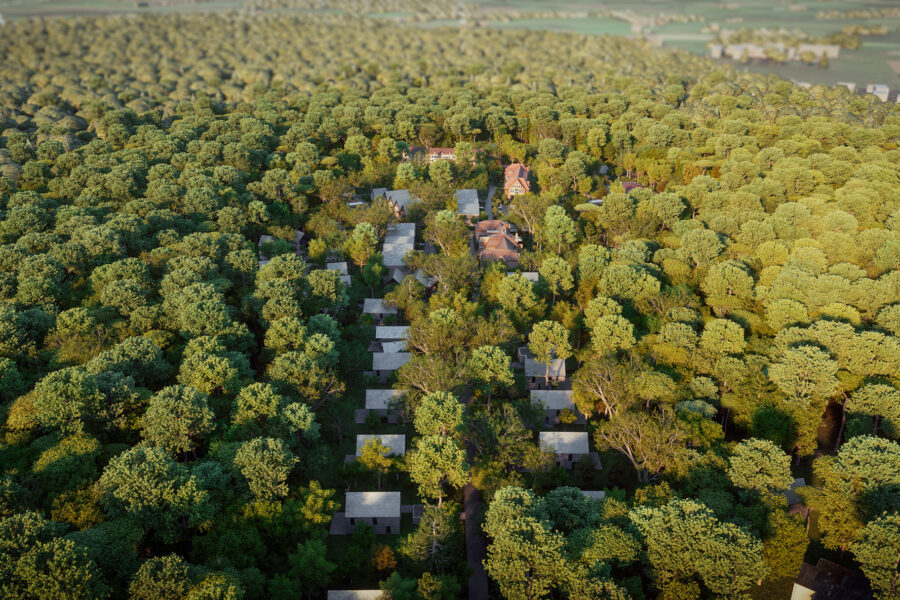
553, 399
467, 203
395, 441
381, 399
391, 332
389, 361
594, 494
535, 368
340, 267
564, 442
399, 346
366, 505
354, 594
376, 306
531, 276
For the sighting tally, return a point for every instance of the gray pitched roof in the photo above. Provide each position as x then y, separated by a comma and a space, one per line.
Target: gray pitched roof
399, 239
553, 399
354, 594
534, 368
395, 441
594, 494
340, 267
381, 399
389, 361
395, 347
376, 306
391, 332
366, 505
401, 198
529, 275
467, 203
564, 442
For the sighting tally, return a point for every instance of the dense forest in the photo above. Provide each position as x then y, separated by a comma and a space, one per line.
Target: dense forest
717, 259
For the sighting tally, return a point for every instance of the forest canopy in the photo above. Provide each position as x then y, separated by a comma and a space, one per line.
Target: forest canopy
713, 256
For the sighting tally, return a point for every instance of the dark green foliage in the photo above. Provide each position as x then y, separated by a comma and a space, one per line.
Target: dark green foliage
170, 379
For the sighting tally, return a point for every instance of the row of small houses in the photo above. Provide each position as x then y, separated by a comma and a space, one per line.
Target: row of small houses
380, 510
383, 510
467, 202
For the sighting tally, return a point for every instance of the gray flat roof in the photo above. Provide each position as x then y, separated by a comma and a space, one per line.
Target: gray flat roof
529, 275
395, 441
340, 267
553, 399
401, 228
467, 202
425, 279
564, 442
399, 239
401, 198
394, 347
594, 494
389, 361
393, 259
534, 368
391, 332
366, 505
354, 594
381, 399
376, 306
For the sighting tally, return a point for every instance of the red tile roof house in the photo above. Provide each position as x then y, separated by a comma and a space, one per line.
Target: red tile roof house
515, 180
495, 243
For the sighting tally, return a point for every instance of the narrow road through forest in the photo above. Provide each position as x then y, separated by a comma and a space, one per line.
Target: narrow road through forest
476, 551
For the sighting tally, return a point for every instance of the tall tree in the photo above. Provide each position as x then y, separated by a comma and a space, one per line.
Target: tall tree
858, 483
549, 340
176, 418
489, 367
684, 539
877, 550
435, 462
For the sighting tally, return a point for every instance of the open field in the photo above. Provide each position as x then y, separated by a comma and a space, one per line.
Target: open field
868, 64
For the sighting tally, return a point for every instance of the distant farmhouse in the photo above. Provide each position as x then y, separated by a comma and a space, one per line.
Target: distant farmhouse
429, 154
765, 51
515, 180
879, 90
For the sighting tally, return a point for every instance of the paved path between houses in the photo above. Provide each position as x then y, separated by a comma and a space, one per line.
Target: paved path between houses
476, 551
488, 208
